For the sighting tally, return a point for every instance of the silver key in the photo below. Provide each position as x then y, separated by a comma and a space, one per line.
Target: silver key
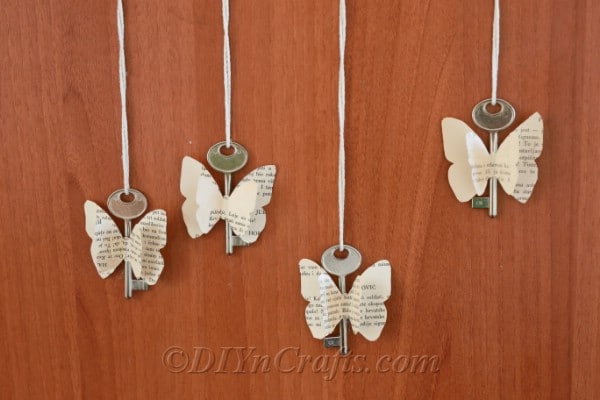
340, 267
228, 164
127, 211
493, 123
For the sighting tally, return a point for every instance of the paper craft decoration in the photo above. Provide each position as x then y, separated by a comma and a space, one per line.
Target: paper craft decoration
363, 305
513, 164
205, 205
141, 249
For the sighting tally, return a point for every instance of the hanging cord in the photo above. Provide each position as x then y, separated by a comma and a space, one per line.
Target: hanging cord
123, 86
342, 114
495, 50
227, 73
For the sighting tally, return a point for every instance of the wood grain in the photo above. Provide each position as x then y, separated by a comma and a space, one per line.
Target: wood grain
510, 306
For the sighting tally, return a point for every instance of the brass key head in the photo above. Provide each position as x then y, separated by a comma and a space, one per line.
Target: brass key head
341, 266
127, 209
494, 121
227, 163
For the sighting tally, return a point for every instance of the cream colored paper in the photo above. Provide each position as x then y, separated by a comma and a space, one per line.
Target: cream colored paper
363, 305
513, 164
142, 248
205, 205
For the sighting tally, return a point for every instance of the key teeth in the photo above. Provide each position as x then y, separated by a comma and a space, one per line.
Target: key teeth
233, 242
139, 285
332, 341
480, 203
238, 242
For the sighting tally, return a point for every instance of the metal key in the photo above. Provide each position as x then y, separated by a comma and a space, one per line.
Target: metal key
228, 164
340, 267
127, 211
493, 123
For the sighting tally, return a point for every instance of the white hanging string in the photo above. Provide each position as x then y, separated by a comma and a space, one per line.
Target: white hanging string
123, 86
227, 73
495, 50
342, 114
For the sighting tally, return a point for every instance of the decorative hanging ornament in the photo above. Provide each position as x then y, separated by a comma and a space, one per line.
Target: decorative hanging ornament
242, 210
139, 247
330, 305
512, 164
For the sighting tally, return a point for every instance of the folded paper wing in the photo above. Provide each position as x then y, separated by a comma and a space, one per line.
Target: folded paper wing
264, 177
191, 171
211, 206
142, 249
530, 135
370, 290
363, 306
108, 245
454, 134
205, 205
147, 238
323, 311
513, 164
501, 165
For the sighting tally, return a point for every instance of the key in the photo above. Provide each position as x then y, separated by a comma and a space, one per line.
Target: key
340, 267
128, 211
493, 123
228, 164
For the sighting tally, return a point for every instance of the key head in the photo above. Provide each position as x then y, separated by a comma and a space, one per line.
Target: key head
341, 266
494, 122
227, 163
125, 209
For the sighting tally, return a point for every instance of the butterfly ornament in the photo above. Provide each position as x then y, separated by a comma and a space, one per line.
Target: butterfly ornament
513, 164
242, 210
139, 248
328, 305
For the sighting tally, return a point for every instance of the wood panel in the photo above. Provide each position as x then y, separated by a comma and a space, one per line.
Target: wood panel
510, 307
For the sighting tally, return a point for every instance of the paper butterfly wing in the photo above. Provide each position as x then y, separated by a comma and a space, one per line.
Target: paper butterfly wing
145, 242
210, 204
479, 160
323, 311
191, 171
530, 135
454, 134
264, 178
513, 164
240, 206
506, 162
108, 246
370, 290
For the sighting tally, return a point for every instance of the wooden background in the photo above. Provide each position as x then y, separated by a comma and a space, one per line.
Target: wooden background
510, 306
